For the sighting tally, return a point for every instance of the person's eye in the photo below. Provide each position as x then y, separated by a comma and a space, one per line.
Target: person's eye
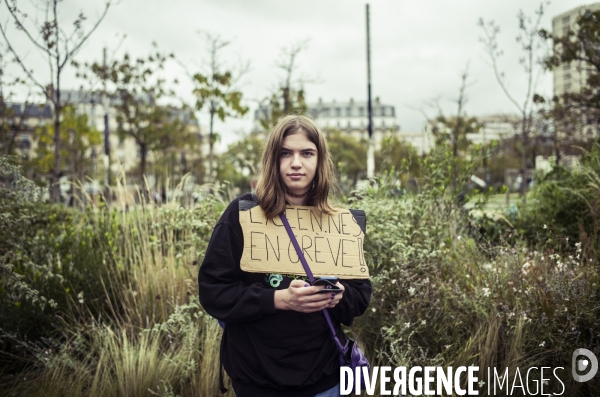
308, 154
285, 154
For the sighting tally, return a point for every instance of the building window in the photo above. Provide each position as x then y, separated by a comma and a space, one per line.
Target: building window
566, 19
567, 76
338, 112
349, 112
567, 86
566, 66
361, 111
566, 30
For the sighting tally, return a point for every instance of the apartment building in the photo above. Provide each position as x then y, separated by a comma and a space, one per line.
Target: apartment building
570, 77
350, 117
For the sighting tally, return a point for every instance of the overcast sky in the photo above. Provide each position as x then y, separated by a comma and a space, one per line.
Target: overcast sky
418, 48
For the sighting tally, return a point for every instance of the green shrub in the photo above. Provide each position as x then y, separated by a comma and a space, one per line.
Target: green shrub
445, 295
565, 208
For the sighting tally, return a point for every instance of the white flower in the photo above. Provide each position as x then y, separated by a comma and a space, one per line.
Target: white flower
486, 291
373, 309
423, 322
394, 281
411, 291
406, 325
545, 227
458, 237
543, 344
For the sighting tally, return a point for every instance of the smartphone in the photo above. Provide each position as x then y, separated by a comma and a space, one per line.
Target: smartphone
329, 283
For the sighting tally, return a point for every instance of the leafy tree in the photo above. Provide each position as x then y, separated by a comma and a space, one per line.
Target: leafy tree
59, 47
399, 156
216, 90
137, 91
9, 126
349, 156
574, 110
78, 142
239, 164
453, 130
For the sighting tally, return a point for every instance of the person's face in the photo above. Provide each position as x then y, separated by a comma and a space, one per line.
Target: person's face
298, 163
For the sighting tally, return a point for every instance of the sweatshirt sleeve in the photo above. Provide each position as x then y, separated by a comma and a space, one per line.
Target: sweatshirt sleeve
355, 301
222, 292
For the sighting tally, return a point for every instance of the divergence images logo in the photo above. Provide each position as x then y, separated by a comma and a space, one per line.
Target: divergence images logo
580, 364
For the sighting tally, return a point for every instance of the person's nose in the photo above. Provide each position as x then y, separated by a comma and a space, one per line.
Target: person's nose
296, 163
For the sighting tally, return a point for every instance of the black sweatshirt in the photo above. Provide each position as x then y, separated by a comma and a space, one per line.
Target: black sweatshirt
269, 352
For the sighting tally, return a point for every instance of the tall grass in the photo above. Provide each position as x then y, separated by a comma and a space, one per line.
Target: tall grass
144, 333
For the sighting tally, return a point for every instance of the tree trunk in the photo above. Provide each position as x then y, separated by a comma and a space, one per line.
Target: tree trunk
11, 142
455, 157
523, 190
56, 177
143, 155
211, 143
286, 100
556, 148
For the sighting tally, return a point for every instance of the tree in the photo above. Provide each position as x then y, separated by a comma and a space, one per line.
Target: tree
59, 47
397, 155
9, 126
137, 90
216, 90
454, 129
531, 45
79, 141
348, 155
573, 110
289, 96
239, 164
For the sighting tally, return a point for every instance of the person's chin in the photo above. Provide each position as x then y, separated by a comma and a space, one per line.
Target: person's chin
297, 187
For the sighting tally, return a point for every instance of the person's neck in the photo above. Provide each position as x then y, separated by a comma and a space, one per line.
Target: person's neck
295, 201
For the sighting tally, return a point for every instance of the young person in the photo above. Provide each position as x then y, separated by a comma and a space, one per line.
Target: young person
276, 341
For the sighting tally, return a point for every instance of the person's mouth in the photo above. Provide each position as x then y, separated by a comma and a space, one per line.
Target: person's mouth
295, 176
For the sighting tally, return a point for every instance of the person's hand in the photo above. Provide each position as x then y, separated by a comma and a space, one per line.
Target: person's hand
337, 297
302, 297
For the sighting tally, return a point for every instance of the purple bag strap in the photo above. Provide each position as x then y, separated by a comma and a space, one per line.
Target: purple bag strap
309, 273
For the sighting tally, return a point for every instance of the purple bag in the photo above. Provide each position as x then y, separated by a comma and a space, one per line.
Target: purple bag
350, 354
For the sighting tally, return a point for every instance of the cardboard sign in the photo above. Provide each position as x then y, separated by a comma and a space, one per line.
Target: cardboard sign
332, 244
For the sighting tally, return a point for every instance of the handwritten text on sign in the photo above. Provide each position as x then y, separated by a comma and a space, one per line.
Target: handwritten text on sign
331, 244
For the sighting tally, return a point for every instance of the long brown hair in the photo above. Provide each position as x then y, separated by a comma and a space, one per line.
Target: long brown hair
270, 189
